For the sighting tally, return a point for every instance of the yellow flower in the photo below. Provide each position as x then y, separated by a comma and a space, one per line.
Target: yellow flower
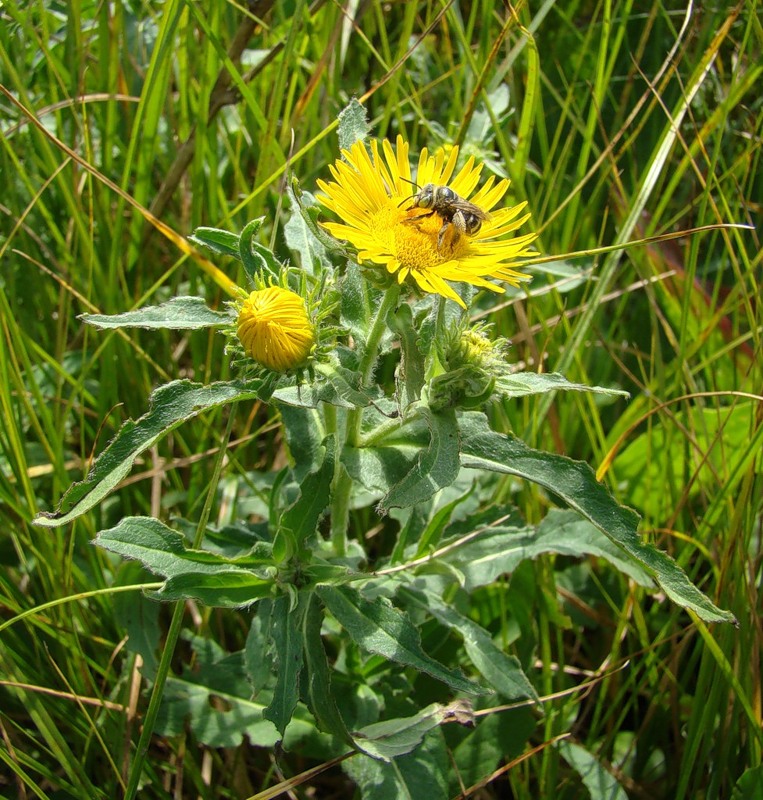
369, 194
274, 328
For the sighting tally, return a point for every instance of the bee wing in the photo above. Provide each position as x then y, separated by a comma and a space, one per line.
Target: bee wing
465, 205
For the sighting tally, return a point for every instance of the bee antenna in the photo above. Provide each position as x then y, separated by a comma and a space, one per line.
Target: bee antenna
414, 184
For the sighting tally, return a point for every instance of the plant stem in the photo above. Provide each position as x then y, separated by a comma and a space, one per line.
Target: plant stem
136, 768
340, 495
368, 362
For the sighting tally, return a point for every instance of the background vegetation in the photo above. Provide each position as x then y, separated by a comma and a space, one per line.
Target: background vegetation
615, 121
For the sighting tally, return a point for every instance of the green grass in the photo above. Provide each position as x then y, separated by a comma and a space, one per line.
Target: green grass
615, 122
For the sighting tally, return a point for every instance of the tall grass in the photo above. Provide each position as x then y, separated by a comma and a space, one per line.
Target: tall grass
615, 121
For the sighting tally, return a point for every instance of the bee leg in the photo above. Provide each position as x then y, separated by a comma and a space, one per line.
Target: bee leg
459, 227
418, 217
441, 235
459, 222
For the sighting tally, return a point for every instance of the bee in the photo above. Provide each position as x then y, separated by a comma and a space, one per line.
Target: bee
465, 217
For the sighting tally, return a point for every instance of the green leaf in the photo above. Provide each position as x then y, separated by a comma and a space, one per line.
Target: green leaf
334, 385
520, 384
259, 653
163, 550
319, 698
410, 374
576, 484
432, 533
215, 701
258, 260
500, 548
503, 672
301, 233
170, 405
435, 468
380, 628
309, 211
222, 242
393, 738
300, 520
231, 588
179, 313
748, 785
303, 428
601, 784
355, 303
353, 124
497, 738
286, 624
417, 775
377, 468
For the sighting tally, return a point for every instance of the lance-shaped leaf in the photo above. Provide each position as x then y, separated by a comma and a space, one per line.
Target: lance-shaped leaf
353, 124
501, 547
304, 432
300, 232
170, 405
225, 588
318, 694
519, 384
411, 373
422, 773
286, 629
334, 385
393, 738
576, 484
503, 672
210, 578
257, 259
436, 467
179, 313
300, 520
217, 240
164, 551
310, 211
597, 779
356, 303
380, 628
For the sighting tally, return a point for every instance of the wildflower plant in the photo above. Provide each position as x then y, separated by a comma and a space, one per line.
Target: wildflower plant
329, 610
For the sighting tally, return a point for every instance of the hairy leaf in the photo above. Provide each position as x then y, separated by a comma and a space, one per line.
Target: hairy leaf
231, 588
300, 520
576, 484
503, 672
437, 466
596, 778
419, 773
222, 242
500, 548
353, 124
286, 624
319, 697
164, 551
380, 628
170, 405
520, 384
179, 313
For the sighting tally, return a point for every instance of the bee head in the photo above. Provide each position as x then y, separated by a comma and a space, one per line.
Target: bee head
406, 199
427, 195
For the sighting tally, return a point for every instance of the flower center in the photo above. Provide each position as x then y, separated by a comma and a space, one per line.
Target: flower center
419, 238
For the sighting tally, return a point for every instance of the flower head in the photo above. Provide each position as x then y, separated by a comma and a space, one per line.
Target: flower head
472, 363
373, 195
274, 328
